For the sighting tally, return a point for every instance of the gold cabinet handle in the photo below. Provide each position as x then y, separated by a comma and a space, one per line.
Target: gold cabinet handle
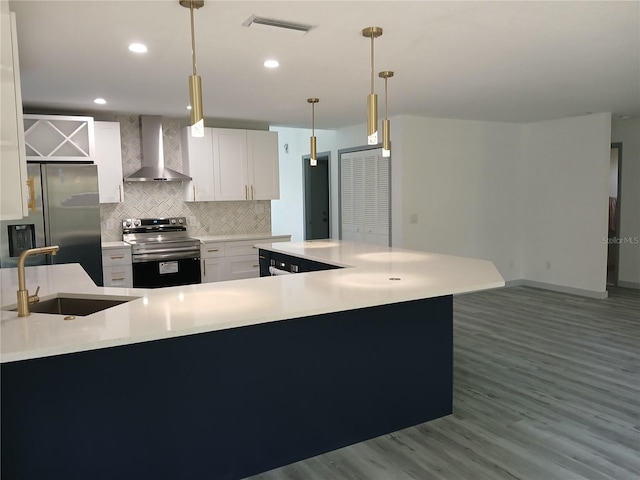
120, 192
252, 192
213, 250
116, 257
194, 193
246, 192
31, 205
204, 268
117, 279
256, 266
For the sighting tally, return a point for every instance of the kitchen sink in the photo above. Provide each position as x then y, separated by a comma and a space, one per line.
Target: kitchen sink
62, 305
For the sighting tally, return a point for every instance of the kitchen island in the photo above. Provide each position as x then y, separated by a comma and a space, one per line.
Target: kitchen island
228, 379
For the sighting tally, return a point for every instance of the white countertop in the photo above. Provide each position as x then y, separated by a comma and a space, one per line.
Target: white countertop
114, 245
239, 237
175, 311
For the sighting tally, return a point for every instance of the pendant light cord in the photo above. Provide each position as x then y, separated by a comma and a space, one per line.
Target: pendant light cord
193, 40
313, 119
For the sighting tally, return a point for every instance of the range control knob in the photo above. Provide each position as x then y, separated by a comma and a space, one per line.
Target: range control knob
180, 221
136, 222
127, 223
172, 221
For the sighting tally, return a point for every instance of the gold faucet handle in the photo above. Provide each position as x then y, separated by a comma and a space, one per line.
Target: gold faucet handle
35, 298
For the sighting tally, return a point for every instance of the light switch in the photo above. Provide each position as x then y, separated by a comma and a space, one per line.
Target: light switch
192, 221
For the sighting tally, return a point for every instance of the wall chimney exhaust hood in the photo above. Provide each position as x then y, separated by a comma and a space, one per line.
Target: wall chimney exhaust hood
153, 169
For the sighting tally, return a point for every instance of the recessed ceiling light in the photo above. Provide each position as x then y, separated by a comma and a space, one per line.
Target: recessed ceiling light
188, 107
271, 64
100, 101
138, 48
624, 117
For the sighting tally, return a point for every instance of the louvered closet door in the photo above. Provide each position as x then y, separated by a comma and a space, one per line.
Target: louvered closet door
370, 198
383, 224
346, 197
358, 199
364, 197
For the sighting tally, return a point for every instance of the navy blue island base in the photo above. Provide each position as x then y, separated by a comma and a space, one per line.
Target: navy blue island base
231, 403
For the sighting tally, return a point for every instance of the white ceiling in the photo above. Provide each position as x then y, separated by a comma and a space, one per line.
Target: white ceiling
480, 60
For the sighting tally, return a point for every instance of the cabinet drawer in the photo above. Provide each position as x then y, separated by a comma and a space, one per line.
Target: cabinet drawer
212, 250
116, 256
118, 276
243, 247
243, 266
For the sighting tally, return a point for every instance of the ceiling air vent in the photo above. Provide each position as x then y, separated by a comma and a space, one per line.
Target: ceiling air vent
270, 22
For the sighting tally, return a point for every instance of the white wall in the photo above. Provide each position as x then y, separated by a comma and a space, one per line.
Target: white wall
566, 190
628, 133
287, 213
518, 195
463, 184
461, 179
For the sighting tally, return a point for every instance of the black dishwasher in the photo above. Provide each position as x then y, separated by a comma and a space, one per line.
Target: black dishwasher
272, 263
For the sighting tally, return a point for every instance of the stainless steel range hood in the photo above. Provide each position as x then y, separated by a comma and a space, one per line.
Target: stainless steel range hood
153, 169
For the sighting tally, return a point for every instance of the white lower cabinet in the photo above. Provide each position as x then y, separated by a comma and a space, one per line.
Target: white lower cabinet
212, 270
232, 260
116, 267
242, 266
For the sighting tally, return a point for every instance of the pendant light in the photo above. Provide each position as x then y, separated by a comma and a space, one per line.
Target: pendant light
372, 99
313, 157
386, 124
195, 84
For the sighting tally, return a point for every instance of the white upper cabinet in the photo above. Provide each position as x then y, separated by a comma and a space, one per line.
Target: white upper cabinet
13, 164
108, 158
231, 164
197, 162
263, 165
59, 138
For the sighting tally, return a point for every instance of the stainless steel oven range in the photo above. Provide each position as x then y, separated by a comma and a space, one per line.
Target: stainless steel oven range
162, 252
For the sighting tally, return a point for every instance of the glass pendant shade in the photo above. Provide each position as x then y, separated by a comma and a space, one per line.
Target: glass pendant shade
372, 98
386, 124
313, 155
372, 119
195, 100
195, 83
313, 160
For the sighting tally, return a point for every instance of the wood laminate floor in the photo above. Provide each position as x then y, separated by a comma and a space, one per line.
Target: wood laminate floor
546, 386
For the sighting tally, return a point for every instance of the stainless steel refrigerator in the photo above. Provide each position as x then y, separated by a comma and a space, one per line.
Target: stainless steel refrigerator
65, 211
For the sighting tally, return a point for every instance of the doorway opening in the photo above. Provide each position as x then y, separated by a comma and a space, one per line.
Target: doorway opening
317, 214
613, 243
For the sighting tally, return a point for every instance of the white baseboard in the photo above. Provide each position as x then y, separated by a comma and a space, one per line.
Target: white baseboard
622, 283
557, 288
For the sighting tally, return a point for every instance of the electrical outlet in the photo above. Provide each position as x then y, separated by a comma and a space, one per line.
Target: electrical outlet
413, 218
192, 221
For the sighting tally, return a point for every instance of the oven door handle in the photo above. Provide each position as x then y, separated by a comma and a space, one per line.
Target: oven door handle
142, 250
153, 257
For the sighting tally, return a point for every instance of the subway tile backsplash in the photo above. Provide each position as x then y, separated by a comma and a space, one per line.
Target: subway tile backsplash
151, 199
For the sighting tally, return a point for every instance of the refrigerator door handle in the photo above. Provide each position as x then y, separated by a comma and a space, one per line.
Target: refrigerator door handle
32, 194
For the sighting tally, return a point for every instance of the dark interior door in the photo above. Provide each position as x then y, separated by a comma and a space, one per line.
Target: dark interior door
316, 198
